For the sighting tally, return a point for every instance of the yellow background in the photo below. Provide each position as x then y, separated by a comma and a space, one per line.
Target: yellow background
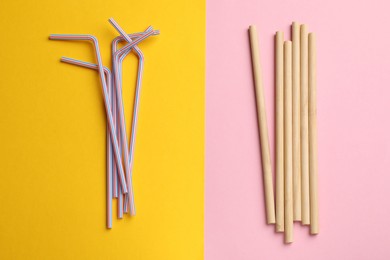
53, 132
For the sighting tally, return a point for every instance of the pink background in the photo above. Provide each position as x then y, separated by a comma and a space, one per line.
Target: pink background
353, 42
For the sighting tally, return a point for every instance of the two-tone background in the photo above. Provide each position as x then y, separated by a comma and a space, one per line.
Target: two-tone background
197, 175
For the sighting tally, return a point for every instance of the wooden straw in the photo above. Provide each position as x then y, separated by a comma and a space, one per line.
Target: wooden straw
279, 39
313, 136
296, 129
304, 127
262, 121
288, 185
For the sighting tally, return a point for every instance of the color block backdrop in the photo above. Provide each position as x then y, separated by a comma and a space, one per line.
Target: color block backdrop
353, 130
53, 132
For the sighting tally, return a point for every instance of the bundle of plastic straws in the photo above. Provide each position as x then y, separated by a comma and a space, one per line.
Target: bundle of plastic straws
120, 151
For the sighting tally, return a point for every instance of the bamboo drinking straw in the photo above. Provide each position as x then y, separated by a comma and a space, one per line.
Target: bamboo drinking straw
313, 136
304, 127
279, 40
262, 121
288, 185
296, 136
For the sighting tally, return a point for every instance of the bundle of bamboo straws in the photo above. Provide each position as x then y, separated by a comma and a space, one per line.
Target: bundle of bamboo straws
295, 131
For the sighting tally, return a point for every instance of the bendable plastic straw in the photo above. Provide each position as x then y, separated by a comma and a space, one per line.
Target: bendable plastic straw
116, 127
117, 191
115, 114
107, 102
121, 208
107, 73
114, 49
122, 116
139, 53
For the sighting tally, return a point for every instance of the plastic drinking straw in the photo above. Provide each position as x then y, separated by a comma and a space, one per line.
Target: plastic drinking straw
114, 109
138, 86
119, 71
122, 116
126, 204
279, 132
107, 73
107, 102
263, 129
120, 202
114, 49
121, 208
116, 190
119, 191
115, 183
135, 107
314, 227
